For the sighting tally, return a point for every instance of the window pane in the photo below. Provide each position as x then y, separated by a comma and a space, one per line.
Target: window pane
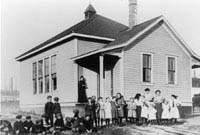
54, 81
34, 86
171, 77
146, 61
53, 64
47, 83
40, 85
34, 70
46, 66
146, 75
171, 63
40, 69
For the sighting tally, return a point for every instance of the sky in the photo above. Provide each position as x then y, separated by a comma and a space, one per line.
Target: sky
27, 23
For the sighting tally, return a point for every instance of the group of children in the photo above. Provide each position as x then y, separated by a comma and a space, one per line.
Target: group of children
141, 109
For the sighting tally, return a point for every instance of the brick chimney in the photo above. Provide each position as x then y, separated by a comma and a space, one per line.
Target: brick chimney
132, 13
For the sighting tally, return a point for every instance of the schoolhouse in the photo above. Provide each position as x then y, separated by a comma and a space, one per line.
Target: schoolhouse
112, 57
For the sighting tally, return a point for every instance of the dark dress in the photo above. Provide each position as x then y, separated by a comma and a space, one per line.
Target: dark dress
82, 97
90, 111
49, 112
88, 124
114, 109
59, 124
56, 108
120, 107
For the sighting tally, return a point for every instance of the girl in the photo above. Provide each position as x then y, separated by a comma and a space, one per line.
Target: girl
165, 113
131, 110
144, 111
174, 112
108, 115
120, 107
101, 110
89, 109
152, 113
114, 110
158, 105
138, 103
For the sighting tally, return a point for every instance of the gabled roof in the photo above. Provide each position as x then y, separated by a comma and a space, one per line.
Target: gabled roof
125, 38
96, 26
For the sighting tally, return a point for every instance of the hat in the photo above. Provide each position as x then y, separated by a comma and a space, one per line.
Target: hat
56, 99
157, 91
28, 117
147, 89
49, 96
175, 96
18, 116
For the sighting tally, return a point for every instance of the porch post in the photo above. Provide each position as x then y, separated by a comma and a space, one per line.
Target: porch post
101, 72
122, 72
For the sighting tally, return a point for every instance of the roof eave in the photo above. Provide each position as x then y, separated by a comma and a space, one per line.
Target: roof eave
19, 58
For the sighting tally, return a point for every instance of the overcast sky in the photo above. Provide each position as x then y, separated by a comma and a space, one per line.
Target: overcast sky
27, 23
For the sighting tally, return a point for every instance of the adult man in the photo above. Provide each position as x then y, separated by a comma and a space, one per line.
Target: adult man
48, 110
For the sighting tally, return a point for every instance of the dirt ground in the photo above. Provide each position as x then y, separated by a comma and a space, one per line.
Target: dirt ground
187, 126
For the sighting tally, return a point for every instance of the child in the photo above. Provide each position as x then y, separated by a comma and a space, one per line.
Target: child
88, 124
90, 110
165, 113
120, 107
108, 114
131, 110
101, 110
139, 104
6, 127
158, 99
39, 128
59, 123
28, 125
174, 112
144, 111
94, 103
68, 123
49, 111
46, 126
19, 126
152, 113
97, 108
114, 110
56, 106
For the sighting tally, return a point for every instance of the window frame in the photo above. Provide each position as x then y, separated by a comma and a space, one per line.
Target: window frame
142, 65
167, 70
47, 75
53, 73
34, 78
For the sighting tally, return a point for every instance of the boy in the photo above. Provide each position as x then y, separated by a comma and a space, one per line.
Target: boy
49, 111
28, 125
56, 106
19, 126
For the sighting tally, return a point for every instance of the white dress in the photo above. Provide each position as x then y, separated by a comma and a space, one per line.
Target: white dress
174, 112
165, 113
131, 110
108, 114
152, 113
144, 112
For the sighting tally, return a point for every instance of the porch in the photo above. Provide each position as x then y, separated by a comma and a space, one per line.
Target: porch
103, 73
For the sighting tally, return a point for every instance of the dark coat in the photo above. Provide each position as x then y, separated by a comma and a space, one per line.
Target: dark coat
88, 124
90, 110
48, 109
120, 106
114, 109
6, 126
59, 124
29, 126
19, 127
56, 108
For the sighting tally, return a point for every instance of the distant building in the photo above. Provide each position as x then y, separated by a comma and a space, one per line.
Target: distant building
112, 57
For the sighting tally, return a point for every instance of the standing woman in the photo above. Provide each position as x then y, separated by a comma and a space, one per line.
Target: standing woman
158, 100
82, 97
120, 106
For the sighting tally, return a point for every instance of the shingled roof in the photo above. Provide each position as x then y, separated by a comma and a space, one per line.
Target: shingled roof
97, 25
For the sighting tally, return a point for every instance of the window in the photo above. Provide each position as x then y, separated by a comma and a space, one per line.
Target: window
53, 73
171, 70
40, 76
46, 74
146, 68
34, 68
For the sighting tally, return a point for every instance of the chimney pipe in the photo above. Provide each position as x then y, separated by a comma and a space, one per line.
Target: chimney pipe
132, 13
